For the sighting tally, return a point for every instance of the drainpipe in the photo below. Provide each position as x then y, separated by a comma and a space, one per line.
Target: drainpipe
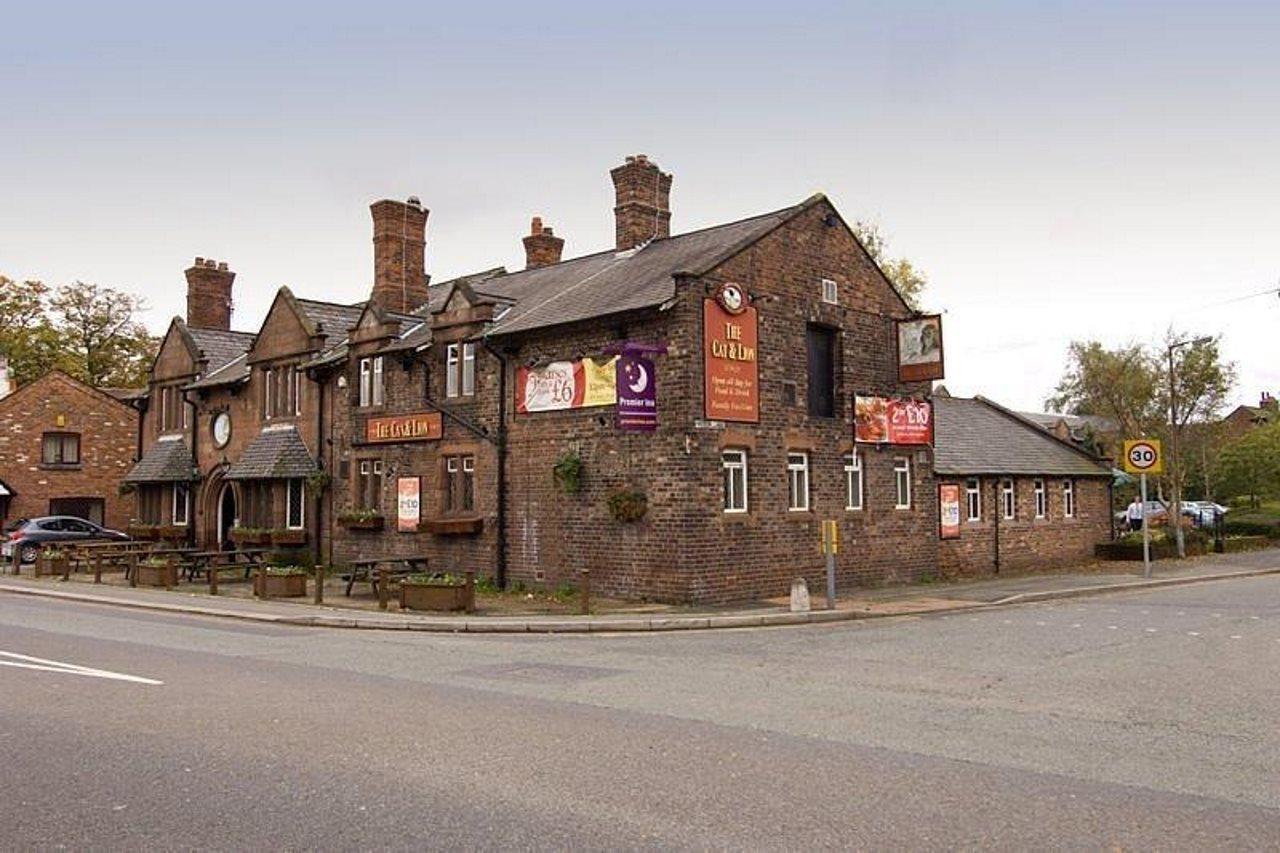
195, 457
998, 505
502, 465
317, 499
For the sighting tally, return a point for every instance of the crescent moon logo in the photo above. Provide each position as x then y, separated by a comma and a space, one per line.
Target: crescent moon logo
638, 385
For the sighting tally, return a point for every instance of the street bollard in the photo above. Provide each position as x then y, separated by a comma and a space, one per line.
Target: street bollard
66, 570
133, 570
97, 570
39, 568
212, 568
17, 559
319, 594
471, 590
259, 583
383, 583
584, 592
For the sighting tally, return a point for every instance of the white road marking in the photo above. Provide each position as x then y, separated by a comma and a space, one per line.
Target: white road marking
18, 661
1235, 636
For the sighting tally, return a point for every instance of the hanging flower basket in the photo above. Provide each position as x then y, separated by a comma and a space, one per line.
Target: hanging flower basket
628, 506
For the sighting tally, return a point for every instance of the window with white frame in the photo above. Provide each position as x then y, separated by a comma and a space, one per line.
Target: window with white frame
460, 370
181, 502
853, 481
830, 292
1068, 499
797, 481
973, 499
1042, 499
296, 504
1008, 500
369, 485
372, 387
902, 483
734, 465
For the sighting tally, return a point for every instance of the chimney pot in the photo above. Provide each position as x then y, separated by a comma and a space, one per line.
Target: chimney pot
209, 294
642, 208
399, 254
542, 247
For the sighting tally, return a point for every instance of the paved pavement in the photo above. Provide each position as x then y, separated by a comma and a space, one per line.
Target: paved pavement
1139, 719
864, 603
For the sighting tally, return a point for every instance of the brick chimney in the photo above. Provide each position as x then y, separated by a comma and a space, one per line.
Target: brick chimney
1266, 401
399, 254
643, 202
209, 294
542, 248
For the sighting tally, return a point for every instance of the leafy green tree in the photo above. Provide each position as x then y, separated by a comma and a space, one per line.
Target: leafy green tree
103, 343
907, 279
1250, 465
26, 336
1121, 384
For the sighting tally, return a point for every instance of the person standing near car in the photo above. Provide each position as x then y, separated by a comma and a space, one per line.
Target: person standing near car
1134, 514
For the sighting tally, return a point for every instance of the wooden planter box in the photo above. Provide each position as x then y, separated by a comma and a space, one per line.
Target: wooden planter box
363, 523
51, 568
171, 533
283, 586
145, 532
420, 596
289, 537
165, 576
254, 537
452, 526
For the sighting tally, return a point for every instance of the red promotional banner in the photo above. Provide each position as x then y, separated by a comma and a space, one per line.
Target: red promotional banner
892, 420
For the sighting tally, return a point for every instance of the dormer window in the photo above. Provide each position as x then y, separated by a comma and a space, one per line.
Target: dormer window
282, 392
460, 370
371, 381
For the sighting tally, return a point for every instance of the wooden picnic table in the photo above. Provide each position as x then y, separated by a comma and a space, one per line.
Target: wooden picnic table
202, 562
366, 570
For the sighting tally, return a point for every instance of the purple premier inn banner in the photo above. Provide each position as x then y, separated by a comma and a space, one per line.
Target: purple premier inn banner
637, 393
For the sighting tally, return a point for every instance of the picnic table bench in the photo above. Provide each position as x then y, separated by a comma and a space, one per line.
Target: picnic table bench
367, 570
199, 563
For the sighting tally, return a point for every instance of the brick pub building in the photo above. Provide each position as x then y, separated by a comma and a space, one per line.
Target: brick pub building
477, 420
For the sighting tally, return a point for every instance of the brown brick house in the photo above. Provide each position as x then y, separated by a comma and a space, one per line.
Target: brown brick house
64, 449
1027, 498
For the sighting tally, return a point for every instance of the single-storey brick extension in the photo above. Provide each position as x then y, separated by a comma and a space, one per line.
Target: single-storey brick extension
673, 413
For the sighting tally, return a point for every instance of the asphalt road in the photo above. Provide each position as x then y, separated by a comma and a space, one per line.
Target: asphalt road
1140, 720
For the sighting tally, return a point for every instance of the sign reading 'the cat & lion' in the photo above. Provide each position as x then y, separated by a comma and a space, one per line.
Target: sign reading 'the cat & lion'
730, 356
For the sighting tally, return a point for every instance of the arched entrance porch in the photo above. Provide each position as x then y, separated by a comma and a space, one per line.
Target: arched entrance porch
222, 511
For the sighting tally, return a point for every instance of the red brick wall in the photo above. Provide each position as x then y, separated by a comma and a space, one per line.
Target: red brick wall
1027, 542
108, 435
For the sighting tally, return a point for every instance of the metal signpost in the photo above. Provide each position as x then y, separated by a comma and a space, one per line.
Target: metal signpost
830, 546
1142, 457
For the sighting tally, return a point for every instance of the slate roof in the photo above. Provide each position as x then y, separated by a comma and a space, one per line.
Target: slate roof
168, 460
334, 320
126, 395
977, 436
612, 282
220, 346
276, 454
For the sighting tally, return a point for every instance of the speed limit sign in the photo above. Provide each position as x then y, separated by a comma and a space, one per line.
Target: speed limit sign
1142, 456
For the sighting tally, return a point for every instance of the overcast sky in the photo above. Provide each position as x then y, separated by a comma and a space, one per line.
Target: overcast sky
1059, 170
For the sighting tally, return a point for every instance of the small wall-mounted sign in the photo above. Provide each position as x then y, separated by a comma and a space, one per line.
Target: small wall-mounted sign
420, 426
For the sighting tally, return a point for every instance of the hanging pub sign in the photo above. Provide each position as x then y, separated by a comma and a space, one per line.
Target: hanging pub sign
408, 503
949, 511
731, 370
920, 348
892, 420
422, 426
566, 385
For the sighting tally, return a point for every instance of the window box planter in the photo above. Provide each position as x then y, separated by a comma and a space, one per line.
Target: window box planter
444, 526
289, 537
290, 582
250, 536
171, 533
362, 522
48, 564
447, 593
157, 574
145, 532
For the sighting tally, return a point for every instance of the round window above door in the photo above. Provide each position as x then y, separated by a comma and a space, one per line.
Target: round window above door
221, 429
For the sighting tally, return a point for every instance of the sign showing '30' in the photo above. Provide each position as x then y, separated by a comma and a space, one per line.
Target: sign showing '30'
1142, 456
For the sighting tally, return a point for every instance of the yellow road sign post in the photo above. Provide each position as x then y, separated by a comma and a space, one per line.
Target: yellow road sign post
1142, 456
